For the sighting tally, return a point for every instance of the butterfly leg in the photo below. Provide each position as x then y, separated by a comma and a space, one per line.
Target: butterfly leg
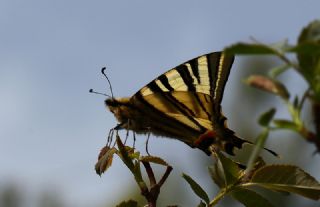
134, 139
127, 133
110, 137
147, 143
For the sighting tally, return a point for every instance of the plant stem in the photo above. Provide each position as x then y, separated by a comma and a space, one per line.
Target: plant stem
220, 195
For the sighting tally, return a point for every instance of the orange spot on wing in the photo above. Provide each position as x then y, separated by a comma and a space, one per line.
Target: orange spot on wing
207, 137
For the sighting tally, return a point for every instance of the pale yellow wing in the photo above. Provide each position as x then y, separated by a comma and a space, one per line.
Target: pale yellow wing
191, 109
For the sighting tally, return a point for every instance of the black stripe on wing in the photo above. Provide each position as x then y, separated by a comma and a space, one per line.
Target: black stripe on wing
159, 116
164, 80
220, 65
182, 108
213, 60
189, 82
195, 69
186, 77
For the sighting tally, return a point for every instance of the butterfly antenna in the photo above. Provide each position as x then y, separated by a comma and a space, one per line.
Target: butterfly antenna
103, 72
92, 91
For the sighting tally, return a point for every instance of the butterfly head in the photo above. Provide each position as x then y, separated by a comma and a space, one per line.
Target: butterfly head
120, 108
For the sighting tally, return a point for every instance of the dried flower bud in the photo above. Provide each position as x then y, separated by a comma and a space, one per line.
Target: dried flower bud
269, 85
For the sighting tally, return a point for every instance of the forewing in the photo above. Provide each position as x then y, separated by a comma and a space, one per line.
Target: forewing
206, 74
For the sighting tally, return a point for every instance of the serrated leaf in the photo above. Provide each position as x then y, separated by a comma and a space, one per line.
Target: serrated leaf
217, 176
129, 203
197, 189
230, 169
268, 84
247, 48
285, 124
250, 198
287, 178
104, 159
266, 117
154, 159
259, 163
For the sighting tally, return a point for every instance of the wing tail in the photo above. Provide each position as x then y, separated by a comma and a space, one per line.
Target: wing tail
238, 142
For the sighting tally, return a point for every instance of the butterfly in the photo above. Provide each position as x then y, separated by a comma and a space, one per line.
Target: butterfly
184, 103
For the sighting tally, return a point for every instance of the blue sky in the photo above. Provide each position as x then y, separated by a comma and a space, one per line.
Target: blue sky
50, 56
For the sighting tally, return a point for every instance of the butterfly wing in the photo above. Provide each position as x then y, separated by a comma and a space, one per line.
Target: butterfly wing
187, 97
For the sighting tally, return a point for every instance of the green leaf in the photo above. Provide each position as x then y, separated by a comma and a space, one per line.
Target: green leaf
247, 48
229, 168
153, 159
105, 159
217, 175
268, 84
287, 178
129, 203
285, 124
276, 71
311, 33
250, 198
266, 117
307, 48
309, 55
197, 189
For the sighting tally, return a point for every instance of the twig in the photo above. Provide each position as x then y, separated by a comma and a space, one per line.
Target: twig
150, 173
